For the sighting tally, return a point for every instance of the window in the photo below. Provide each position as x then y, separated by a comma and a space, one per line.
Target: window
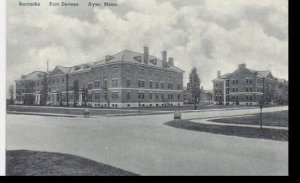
63, 80
141, 83
58, 80
115, 69
250, 81
162, 85
156, 96
150, 72
141, 71
162, 96
128, 95
105, 95
178, 86
53, 81
105, 83
156, 85
128, 69
247, 80
178, 96
117, 82
150, 84
97, 96
114, 95
143, 95
128, 82
97, 84
150, 96
90, 86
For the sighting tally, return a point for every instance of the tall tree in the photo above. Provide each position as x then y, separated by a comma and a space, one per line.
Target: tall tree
76, 91
11, 94
195, 85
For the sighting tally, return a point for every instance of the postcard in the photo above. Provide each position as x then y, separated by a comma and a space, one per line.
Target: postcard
146, 87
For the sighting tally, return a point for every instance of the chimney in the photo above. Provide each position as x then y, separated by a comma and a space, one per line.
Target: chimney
242, 66
164, 58
171, 61
219, 74
146, 54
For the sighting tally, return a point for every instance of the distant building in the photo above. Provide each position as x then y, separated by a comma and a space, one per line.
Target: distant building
187, 95
125, 79
246, 86
29, 89
206, 96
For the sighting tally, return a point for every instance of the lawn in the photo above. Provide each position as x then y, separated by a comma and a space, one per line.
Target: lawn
273, 119
34, 163
269, 119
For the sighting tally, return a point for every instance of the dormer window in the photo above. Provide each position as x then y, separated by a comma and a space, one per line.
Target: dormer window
86, 66
77, 68
138, 58
108, 58
153, 61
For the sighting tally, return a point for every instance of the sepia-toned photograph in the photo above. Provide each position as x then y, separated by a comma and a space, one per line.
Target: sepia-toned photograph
146, 87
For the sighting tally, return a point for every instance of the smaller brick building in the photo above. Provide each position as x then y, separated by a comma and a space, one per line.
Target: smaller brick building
245, 86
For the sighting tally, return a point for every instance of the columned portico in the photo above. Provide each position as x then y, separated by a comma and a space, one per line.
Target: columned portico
38, 99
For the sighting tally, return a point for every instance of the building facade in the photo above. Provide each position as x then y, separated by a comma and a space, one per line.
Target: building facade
30, 89
125, 79
245, 87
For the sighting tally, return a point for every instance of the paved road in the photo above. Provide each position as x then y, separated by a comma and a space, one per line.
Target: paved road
142, 144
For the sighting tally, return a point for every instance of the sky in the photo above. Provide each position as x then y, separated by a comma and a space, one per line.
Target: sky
210, 35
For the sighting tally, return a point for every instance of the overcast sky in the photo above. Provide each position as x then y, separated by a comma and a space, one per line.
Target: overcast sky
208, 34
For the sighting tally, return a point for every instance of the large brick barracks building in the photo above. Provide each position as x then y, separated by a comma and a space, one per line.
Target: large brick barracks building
125, 79
246, 86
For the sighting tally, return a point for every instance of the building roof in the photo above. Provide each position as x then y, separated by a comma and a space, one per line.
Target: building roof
135, 57
36, 75
64, 69
263, 74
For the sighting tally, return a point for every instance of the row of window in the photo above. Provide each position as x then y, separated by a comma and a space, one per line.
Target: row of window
26, 90
141, 95
115, 95
248, 89
57, 80
235, 81
30, 83
236, 97
141, 84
